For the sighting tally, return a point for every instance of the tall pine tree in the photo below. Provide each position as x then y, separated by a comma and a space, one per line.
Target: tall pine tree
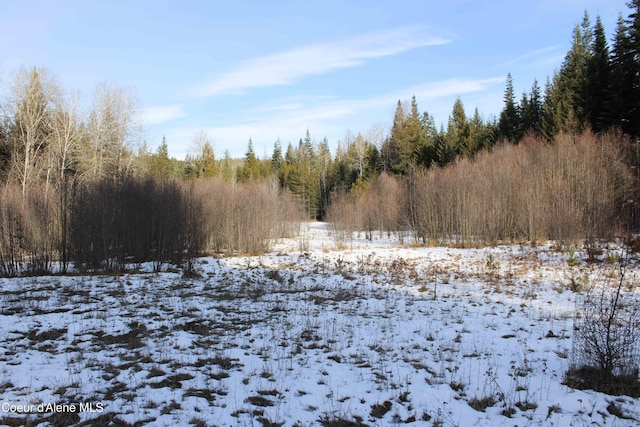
532, 112
548, 126
509, 121
597, 82
622, 97
401, 151
459, 131
276, 158
633, 23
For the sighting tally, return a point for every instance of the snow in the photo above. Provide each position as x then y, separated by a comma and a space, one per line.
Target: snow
376, 332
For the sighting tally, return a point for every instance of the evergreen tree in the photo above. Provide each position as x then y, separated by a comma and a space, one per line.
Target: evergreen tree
415, 135
291, 155
340, 170
478, 134
623, 74
310, 188
509, 122
531, 111
426, 154
189, 170
633, 23
206, 161
445, 147
309, 150
524, 112
570, 83
548, 125
163, 149
293, 175
597, 80
252, 168
160, 165
250, 155
459, 131
227, 171
403, 148
535, 108
393, 155
276, 159
324, 175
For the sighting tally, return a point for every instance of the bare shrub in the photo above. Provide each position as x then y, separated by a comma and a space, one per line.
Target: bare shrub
481, 403
390, 196
245, 218
11, 232
606, 353
596, 182
168, 225
114, 224
42, 233
340, 219
289, 215
373, 206
573, 189
28, 232
576, 188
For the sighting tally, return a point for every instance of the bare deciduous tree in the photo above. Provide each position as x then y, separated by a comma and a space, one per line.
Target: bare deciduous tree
606, 351
111, 134
244, 218
32, 104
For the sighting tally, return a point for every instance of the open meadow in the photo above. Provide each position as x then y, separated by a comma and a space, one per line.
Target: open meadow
375, 333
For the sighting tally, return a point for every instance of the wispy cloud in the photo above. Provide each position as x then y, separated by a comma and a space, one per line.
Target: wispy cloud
449, 87
289, 118
155, 115
312, 108
535, 55
289, 66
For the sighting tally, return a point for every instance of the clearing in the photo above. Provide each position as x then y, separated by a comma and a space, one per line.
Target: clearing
374, 334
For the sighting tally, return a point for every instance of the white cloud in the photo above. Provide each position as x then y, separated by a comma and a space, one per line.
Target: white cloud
289, 66
454, 87
538, 55
323, 116
155, 115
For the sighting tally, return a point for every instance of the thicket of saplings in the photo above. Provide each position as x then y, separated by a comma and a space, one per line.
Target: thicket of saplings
577, 188
114, 225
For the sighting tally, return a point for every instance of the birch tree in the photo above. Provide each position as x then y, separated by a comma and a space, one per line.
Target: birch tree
32, 105
111, 133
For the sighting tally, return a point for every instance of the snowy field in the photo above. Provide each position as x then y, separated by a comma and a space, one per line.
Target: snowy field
375, 334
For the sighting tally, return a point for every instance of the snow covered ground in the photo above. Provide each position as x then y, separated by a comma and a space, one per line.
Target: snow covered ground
375, 334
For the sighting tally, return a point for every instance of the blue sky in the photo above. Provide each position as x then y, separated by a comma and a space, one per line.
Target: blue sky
273, 69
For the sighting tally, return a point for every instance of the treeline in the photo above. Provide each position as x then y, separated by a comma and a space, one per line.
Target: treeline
78, 190
580, 186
